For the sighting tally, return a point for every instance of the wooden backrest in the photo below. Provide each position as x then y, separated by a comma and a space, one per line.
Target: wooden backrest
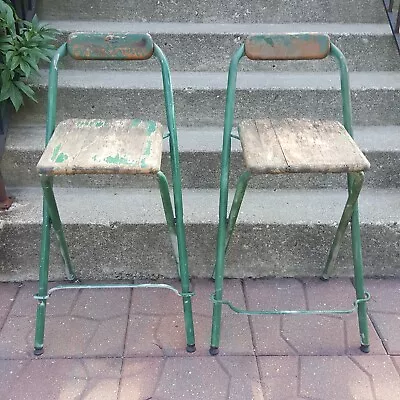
287, 46
112, 46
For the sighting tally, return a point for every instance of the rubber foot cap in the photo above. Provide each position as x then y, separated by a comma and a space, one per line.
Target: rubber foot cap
214, 350
38, 352
191, 348
324, 278
364, 348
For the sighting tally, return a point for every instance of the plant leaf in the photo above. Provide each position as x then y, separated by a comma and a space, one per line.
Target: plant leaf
16, 97
25, 67
15, 62
26, 89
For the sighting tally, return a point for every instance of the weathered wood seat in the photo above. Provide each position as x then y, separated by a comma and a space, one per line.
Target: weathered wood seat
92, 146
299, 145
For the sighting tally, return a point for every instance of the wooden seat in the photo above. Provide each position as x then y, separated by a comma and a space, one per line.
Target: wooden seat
299, 145
92, 146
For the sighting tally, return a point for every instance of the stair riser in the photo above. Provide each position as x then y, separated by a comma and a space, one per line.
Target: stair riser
209, 11
127, 251
201, 170
206, 107
191, 52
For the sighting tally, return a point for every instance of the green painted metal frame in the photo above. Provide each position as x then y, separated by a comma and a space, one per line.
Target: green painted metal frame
173, 214
227, 222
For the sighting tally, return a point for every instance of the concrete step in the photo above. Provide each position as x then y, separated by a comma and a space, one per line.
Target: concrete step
120, 233
200, 162
209, 47
200, 97
254, 11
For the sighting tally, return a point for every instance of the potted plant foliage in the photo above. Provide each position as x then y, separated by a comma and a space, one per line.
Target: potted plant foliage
23, 44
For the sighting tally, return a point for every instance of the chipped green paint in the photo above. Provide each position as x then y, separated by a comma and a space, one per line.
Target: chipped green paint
119, 160
61, 158
136, 122
151, 127
147, 148
91, 123
143, 163
294, 46
94, 158
55, 152
112, 46
58, 157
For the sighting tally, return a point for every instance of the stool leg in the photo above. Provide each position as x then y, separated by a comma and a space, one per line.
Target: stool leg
183, 275
236, 204
225, 231
182, 254
235, 208
57, 225
169, 215
359, 280
43, 282
185, 284
355, 184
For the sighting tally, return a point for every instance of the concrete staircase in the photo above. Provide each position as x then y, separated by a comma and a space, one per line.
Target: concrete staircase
115, 226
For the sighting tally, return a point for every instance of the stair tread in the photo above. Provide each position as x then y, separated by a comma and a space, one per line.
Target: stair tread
217, 80
143, 206
369, 138
218, 28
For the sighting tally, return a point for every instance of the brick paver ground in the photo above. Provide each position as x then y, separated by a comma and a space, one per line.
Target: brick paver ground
129, 344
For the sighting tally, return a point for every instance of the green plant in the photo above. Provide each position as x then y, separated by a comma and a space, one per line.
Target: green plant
22, 45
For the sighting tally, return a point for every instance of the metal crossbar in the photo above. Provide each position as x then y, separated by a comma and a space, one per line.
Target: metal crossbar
292, 312
114, 286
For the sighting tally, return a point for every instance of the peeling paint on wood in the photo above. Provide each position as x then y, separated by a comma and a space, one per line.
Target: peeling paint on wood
57, 156
103, 147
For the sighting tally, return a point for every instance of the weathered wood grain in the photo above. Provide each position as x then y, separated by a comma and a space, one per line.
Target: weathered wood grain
91, 146
305, 146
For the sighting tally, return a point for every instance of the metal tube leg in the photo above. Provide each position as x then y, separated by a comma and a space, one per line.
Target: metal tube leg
169, 215
56, 222
183, 261
236, 203
355, 185
359, 280
43, 282
235, 208
225, 231
185, 284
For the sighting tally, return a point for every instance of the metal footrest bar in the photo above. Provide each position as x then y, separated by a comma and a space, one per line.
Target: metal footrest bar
296, 312
114, 286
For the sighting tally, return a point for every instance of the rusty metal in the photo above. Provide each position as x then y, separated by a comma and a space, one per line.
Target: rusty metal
100, 46
297, 46
5, 200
